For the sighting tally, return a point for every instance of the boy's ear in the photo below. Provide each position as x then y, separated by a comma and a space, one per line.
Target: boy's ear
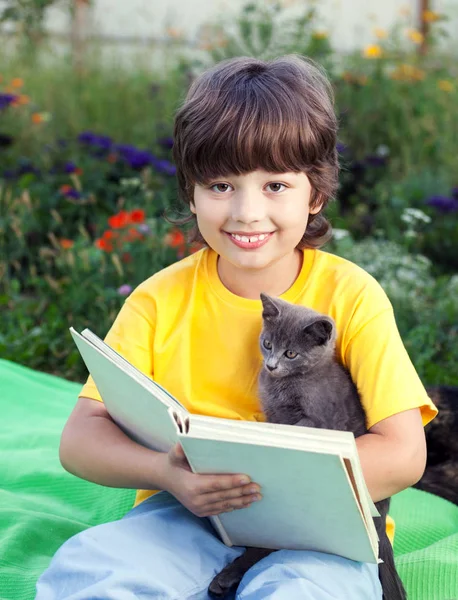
192, 207
318, 205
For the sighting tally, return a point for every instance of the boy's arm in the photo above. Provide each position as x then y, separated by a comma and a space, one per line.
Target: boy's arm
393, 454
93, 447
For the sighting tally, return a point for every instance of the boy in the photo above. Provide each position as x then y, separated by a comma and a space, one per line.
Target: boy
255, 150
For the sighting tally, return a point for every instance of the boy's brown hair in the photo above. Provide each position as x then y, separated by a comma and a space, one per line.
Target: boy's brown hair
245, 114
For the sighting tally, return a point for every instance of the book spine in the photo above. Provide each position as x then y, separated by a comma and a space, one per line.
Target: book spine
216, 522
182, 425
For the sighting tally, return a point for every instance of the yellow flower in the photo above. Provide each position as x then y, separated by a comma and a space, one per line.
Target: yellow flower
320, 35
430, 16
445, 85
373, 51
406, 72
415, 36
17, 82
380, 33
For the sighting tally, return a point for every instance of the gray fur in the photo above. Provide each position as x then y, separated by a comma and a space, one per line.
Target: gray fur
312, 389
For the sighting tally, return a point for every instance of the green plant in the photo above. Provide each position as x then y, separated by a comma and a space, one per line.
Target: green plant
425, 307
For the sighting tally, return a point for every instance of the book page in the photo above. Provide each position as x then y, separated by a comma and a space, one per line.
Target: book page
160, 392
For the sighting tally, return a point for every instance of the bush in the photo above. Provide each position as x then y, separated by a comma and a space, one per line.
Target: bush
425, 307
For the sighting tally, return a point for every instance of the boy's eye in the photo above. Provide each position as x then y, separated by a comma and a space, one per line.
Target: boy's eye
290, 354
221, 187
275, 186
267, 345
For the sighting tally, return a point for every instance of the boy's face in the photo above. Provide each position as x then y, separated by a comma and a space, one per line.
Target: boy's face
253, 220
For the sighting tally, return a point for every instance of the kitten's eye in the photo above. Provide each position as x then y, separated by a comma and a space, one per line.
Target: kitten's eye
267, 345
290, 354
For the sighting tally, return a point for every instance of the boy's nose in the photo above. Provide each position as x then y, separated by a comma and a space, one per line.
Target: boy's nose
248, 208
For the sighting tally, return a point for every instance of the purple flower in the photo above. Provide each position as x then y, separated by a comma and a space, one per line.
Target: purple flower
135, 158
70, 167
98, 141
144, 228
374, 160
444, 204
125, 289
166, 142
163, 166
25, 168
6, 100
341, 147
70, 192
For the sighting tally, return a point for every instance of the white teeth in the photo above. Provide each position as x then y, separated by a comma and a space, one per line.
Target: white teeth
252, 239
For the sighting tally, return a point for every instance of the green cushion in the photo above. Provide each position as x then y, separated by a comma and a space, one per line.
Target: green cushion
41, 505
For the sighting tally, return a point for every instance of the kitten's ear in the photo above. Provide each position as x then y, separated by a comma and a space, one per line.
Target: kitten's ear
320, 330
270, 309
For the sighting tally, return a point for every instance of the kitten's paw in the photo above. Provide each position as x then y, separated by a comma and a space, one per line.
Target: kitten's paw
222, 584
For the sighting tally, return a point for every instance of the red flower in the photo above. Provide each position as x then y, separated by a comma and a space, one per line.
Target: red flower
66, 244
104, 245
120, 220
137, 215
64, 189
175, 239
109, 234
126, 257
133, 234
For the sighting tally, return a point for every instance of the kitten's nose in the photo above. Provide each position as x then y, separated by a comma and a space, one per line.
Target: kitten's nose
271, 367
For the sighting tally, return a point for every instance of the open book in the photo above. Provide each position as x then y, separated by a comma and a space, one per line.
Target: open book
314, 494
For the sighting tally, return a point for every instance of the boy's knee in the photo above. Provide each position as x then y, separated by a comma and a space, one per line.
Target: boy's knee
313, 575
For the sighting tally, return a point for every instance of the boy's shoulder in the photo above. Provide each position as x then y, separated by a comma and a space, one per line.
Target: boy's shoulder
346, 277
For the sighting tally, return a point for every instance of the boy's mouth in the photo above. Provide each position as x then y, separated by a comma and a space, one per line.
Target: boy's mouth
249, 241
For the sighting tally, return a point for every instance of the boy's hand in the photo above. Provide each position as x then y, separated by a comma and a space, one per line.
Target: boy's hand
206, 495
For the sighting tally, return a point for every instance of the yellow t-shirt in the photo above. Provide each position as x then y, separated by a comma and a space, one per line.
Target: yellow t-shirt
200, 341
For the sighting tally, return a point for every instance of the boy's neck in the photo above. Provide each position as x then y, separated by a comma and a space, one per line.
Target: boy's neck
274, 280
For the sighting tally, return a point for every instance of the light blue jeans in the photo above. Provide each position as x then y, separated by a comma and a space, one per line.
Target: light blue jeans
160, 550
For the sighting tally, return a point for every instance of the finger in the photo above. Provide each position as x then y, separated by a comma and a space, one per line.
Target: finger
218, 483
224, 495
230, 505
178, 457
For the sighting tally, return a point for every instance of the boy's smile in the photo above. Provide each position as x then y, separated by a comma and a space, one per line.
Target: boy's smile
254, 222
249, 240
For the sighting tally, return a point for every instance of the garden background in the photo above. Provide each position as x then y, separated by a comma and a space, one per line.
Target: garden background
86, 170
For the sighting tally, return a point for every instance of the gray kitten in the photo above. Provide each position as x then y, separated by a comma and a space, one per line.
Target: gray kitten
301, 383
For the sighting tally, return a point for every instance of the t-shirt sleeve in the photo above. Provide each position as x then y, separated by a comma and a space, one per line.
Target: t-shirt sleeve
380, 365
132, 336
